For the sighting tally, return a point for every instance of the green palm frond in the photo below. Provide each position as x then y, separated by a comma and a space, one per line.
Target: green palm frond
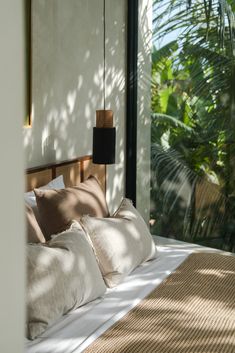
193, 100
171, 121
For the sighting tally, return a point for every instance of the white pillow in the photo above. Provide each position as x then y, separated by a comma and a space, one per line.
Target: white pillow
30, 198
61, 275
121, 242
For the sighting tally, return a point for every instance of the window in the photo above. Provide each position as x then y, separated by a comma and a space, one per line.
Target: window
193, 121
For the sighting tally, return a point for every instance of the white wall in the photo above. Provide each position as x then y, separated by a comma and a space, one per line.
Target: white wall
144, 108
67, 81
116, 93
11, 178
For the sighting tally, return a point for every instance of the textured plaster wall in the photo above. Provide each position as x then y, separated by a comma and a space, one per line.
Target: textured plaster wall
144, 107
67, 81
12, 90
116, 93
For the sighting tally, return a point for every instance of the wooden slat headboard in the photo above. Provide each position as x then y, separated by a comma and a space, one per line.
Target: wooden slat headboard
74, 171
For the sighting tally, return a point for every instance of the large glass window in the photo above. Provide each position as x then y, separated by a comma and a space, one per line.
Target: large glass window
193, 121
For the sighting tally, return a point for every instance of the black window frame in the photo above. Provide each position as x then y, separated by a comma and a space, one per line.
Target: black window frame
131, 99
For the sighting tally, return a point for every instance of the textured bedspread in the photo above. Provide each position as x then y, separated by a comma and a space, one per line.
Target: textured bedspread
192, 311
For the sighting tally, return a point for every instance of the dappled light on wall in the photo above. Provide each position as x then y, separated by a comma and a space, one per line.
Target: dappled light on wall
68, 83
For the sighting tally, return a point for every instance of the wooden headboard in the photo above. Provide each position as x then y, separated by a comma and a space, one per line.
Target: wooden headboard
74, 171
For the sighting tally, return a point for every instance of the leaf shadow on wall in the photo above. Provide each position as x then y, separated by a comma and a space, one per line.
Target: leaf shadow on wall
67, 81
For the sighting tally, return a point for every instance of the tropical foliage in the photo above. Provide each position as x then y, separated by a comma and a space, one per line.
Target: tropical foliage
193, 120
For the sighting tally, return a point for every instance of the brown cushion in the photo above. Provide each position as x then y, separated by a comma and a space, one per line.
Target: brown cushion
34, 233
57, 208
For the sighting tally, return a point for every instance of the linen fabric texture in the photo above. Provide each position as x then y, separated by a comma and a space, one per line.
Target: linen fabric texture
57, 208
34, 233
61, 276
121, 242
57, 183
30, 198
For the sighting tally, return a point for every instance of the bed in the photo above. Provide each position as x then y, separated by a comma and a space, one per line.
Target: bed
182, 300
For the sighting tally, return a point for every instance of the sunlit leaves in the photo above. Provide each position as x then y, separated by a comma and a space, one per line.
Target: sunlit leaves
193, 88
191, 77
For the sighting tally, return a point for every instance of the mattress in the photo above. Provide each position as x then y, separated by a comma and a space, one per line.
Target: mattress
75, 331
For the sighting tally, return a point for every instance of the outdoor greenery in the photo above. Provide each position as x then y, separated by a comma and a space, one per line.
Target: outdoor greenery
193, 121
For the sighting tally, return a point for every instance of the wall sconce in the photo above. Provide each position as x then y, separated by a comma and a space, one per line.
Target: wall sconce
104, 138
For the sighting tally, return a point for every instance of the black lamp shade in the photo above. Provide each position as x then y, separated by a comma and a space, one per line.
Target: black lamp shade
104, 141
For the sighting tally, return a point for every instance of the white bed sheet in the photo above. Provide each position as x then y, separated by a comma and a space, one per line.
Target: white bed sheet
75, 331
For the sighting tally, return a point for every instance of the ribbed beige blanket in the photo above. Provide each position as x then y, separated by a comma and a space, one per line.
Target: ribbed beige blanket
192, 311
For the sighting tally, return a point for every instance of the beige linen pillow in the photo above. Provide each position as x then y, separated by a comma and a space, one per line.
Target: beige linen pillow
121, 242
61, 275
57, 208
29, 196
34, 233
